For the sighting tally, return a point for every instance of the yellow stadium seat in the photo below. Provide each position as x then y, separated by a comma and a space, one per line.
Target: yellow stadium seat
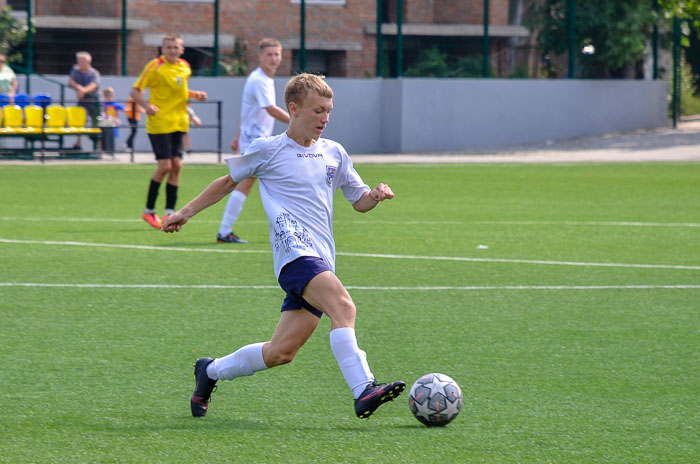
13, 120
55, 120
77, 117
33, 119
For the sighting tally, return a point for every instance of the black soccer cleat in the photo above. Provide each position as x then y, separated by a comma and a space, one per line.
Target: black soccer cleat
375, 395
230, 238
204, 386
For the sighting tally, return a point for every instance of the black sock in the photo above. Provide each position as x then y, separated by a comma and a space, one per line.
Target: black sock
170, 196
152, 194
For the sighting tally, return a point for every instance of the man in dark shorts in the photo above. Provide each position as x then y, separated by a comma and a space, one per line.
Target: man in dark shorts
299, 173
167, 120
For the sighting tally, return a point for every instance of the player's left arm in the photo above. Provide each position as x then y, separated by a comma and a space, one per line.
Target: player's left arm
372, 198
199, 95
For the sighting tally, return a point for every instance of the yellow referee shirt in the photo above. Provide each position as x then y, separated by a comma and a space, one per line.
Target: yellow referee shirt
168, 91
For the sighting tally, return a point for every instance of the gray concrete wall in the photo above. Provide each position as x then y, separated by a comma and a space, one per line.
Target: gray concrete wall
446, 115
436, 115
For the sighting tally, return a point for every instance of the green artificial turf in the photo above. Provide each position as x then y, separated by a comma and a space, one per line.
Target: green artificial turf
564, 299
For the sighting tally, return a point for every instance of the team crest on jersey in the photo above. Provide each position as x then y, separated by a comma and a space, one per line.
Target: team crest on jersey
330, 174
179, 81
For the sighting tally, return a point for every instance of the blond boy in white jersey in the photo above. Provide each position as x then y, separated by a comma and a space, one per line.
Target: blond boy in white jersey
299, 173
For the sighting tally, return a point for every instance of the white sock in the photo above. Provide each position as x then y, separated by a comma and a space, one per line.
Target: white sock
244, 361
234, 206
351, 359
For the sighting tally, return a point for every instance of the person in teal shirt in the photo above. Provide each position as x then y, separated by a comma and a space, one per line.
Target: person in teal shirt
8, 79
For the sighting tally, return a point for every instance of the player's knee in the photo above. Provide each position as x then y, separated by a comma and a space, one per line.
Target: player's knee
345, 312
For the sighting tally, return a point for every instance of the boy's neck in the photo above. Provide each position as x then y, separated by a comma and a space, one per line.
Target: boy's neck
299, 138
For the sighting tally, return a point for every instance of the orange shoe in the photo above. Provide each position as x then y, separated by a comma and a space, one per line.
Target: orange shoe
153, 220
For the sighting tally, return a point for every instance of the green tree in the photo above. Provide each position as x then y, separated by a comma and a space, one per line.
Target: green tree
688, 9
618, 29
12, 33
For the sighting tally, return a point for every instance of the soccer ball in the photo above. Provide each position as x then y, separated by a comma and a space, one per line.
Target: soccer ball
435, 399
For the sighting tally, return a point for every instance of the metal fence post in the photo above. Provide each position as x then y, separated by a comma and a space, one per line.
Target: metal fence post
218, 131
30, 46
399, 38
302, 39
676, 99
124, 34
572, 39
485, 53
215, 67
380, 45
655, 40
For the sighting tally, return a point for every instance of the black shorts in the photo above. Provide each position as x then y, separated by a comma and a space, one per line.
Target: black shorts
167, 146
294, 277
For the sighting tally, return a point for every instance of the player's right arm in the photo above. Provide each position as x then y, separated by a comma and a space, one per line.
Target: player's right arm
235, 145
138, 97
278, 113
210, 195
143, 81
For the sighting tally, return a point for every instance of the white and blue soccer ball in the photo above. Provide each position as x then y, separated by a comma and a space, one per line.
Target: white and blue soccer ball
435, 399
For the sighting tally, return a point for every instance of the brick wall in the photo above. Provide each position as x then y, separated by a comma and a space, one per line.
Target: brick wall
251, 20
470, 12
108, 8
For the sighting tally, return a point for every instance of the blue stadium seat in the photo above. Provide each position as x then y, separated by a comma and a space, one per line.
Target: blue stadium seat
42, 99
4, 99
22, 99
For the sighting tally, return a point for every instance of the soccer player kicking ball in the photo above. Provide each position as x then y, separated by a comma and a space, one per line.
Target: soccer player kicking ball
299, 173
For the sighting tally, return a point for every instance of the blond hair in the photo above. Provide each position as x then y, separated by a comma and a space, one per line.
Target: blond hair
108, 90
172, 36
269, 42
85, 54
301, 85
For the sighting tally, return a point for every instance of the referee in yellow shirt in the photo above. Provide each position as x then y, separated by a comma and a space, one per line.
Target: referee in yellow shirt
167, 120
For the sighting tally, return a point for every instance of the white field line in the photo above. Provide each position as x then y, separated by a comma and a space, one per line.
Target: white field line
363, 255
357, 287
260, 221
523, 261
133, 247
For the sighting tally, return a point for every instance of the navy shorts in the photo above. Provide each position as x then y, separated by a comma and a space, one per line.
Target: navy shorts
294, 277
167, 146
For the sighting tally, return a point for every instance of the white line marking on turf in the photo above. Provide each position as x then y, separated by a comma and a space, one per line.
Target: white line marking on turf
134, 247
522, 261
380, 221
101, 219
358, 287
363, 255
594, 223
159, 286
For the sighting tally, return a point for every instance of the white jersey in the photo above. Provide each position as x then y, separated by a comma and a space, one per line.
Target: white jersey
258, 94
297, 186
